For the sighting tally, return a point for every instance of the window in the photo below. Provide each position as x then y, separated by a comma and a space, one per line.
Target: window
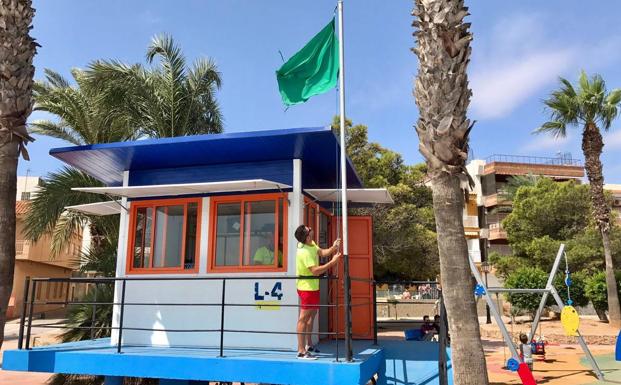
324, 230
248, 233
164, 235
25, 196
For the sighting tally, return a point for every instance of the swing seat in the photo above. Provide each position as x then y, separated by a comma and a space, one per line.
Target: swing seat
570, 321
618, 348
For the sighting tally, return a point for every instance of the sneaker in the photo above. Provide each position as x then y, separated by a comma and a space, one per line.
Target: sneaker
306, 356
312, 349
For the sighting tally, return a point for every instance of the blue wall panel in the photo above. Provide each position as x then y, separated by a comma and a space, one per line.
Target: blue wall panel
277, 171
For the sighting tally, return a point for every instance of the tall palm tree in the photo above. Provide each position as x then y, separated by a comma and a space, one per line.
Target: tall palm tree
589, 105
16, 73
84, 116
442, 95
164, 100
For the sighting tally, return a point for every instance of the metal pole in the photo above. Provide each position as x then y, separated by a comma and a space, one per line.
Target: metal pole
374, 313
494, 311
31, 311
222, 318
442, 367
544, 298
581, 341
23, 315
346, 279
488, 316
120, 341
336, 328
93, 319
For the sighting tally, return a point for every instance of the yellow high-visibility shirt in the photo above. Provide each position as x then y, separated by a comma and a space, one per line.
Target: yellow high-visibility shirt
306, 257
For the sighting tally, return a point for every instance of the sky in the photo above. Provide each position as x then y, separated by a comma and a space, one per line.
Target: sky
520, 48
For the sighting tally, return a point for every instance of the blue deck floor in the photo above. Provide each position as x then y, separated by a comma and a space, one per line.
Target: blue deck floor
398, 362
239, 365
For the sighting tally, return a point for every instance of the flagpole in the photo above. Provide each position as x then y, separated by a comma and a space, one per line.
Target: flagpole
346, 278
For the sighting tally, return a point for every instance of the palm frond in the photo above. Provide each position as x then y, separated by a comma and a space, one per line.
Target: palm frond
59, 130
54, 195
55, 79
557, 128
68, 224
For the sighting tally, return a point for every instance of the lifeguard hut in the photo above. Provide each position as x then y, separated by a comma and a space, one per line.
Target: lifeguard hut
205, 276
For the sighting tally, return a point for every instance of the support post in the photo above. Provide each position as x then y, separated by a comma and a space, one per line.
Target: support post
30, 313
544, 298
443, 339
495, 314
343, 161
122, 312
581, 341
93, 317
374, 313
22, 320
222, 318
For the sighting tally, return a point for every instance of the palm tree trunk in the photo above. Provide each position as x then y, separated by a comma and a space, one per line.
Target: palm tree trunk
8, 183
442, 95
16, 73
592, 146
467, 354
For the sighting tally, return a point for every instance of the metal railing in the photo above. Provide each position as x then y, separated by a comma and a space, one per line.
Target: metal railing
30, 301
30, 290
564, 160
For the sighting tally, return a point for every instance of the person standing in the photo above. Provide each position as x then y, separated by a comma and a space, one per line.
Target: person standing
306, 265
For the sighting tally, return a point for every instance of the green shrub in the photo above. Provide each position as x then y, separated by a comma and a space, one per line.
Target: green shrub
577, 288
526, 278
595, 289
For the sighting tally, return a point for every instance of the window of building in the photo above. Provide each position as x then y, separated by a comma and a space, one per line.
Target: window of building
25, 195
164, 235
248, 232
323, 234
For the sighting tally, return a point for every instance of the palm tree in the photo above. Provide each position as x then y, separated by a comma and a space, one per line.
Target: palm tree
85, 117
16, 73
589, 105
442, 95
164, 100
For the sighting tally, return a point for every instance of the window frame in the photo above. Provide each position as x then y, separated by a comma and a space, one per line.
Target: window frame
308, 206
242, 199
153, 204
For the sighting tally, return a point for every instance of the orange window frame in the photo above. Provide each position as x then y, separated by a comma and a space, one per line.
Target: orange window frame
153, 204
311, 206
242, 200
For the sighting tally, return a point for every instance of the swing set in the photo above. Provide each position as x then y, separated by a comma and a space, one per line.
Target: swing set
569, 316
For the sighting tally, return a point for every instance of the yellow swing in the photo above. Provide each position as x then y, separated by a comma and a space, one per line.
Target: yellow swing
569, 316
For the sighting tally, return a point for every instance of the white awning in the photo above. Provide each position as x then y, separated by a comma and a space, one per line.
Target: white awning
362, 195
99, 208
185, 188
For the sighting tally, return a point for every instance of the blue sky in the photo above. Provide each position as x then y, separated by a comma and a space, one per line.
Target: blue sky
519, 50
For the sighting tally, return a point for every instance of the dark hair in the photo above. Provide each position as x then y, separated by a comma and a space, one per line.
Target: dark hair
301, 233
523, 338
425, 317
437, 316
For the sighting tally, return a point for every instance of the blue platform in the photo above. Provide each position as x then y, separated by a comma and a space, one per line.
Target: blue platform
396, 362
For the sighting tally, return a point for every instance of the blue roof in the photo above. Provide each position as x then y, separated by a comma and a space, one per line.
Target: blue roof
318, 149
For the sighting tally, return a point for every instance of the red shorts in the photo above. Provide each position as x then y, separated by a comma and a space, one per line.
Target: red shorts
309, 299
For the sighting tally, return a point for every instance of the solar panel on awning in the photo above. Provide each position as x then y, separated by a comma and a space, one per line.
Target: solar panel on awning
363, 195
99, 208
186, 188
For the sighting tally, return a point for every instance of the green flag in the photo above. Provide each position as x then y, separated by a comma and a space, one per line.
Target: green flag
312, 70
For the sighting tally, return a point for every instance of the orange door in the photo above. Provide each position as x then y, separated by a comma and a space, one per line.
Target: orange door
360, 267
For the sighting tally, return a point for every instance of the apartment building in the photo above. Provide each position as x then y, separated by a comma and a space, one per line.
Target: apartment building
491, 177
33, 259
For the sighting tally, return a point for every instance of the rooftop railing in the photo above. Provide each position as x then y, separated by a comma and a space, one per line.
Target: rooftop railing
563, 160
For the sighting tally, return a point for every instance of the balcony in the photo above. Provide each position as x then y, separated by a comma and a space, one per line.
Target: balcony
22, 247
496, 200
561, 167
471, 222
496, 232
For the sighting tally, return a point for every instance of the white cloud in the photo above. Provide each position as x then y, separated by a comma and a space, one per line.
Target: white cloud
498, 91
612, 139
546, 142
